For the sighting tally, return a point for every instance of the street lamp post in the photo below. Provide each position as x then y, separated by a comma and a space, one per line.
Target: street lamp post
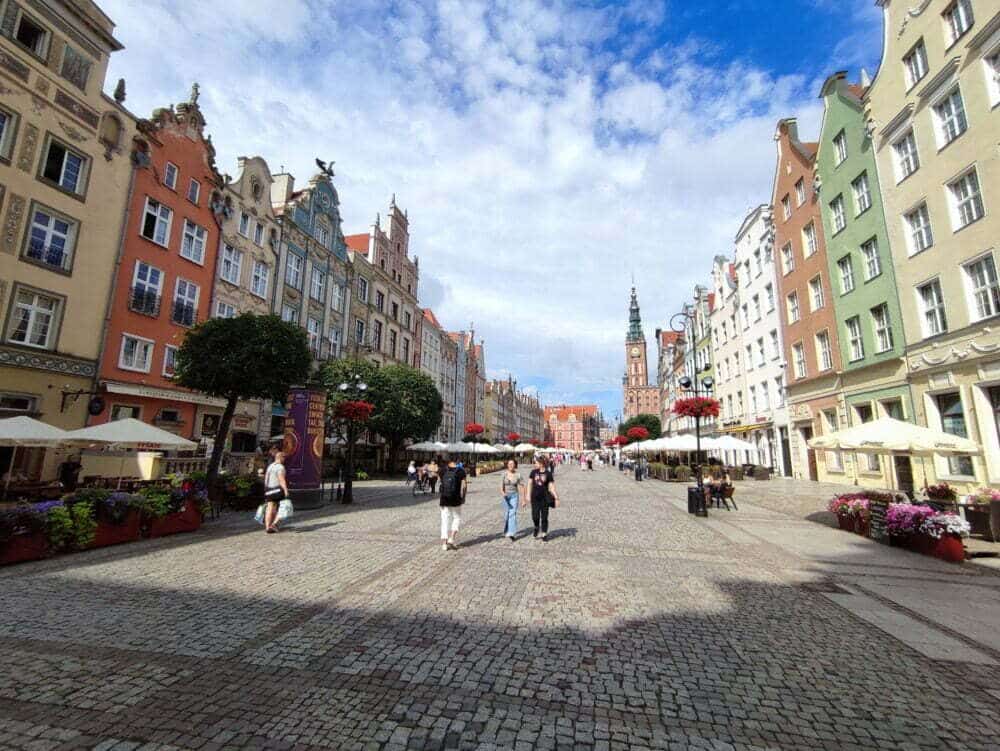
705, 388
354, 386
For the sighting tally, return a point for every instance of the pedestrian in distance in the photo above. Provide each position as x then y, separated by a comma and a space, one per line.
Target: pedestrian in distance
411, 472
453, 486
512, 489
275, 491
543, 497
433, 472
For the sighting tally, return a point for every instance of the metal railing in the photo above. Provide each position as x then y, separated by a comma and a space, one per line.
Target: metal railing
185, 466
145, 301
184, 314
50, 255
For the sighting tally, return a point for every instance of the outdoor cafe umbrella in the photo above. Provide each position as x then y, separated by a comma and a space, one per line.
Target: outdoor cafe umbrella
524, 448
130, 433
27, 432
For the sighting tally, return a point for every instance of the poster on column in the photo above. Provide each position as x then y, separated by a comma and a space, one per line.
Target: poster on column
304, 436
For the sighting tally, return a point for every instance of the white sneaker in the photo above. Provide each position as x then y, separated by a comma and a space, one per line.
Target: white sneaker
444, 546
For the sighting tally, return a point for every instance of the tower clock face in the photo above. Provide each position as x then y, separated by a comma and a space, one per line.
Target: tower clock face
635, 351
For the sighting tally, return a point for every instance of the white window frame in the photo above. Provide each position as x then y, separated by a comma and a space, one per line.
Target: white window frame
155, 209
169, 356
8, 127
244, 225
958, 19
50, 233
950, 116
824, 351
800, 191
816, 297
769, 291
261, 277
923, 230
147, 286
882, 328
186, 298
786, 207
193, 242
862, 191
792, 306
258, 234
363, 289
991, 63
840, 152
906, 155
838, 214
336, 297
295, 270
230, 264
170, 175
34, 309
799, 361
965, 197
933, 315
289, 314
78, 186
359, 331
873, 260
855, 338
809, 242
846, 268
150, 348
43, 51
195, 186
775, 344
314, 333
224, 309
317, 285
787, 259
915, 64
984, 300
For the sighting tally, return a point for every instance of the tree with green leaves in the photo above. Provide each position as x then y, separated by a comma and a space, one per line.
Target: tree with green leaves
646, 420
242, 358
410, 407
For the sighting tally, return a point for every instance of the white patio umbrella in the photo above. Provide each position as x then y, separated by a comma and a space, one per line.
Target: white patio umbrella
729, 443
524, 448
130, 433
504, 448
27, 432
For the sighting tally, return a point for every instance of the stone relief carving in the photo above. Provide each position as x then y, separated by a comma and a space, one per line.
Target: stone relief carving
12, 224
913, 12
73, 133
51, 362
26, 157
42, 85
956, 353
38, 104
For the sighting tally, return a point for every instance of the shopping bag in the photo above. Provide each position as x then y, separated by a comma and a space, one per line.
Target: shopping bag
259, 516
285, 510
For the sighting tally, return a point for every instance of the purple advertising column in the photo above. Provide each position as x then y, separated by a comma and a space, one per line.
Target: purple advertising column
303, 445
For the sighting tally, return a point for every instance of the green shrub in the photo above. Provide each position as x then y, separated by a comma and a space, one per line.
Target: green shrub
84, 524
155, 501
360, 475
682, 472
59, 528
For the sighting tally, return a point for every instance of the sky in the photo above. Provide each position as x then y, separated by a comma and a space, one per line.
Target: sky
547, 152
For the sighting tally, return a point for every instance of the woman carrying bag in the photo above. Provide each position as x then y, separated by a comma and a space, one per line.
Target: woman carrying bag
543, 497
275, 493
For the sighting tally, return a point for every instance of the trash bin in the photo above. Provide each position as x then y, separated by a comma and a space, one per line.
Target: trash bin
696, 501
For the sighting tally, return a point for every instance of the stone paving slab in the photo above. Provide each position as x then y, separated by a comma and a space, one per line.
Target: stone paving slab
636, 626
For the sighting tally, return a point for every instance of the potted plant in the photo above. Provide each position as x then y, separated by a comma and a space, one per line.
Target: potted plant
840, 507
118, 519
167, 511
859, 510
23, 533
942, 492
945, 533
902, 524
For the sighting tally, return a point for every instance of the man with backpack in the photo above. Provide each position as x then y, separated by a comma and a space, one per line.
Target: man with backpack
453, 487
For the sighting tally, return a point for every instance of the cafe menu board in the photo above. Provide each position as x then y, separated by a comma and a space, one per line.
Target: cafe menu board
876, 529
304, 436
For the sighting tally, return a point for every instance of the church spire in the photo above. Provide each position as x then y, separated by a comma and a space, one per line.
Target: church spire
634, 320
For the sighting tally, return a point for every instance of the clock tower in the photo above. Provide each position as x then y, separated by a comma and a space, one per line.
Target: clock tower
639, 397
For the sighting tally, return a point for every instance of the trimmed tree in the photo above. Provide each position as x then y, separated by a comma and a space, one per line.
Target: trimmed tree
646, 420
408, 406
241, 358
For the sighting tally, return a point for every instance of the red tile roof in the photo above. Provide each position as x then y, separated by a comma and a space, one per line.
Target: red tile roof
562, 412
357, 243
811, 146
857, 90
429, 315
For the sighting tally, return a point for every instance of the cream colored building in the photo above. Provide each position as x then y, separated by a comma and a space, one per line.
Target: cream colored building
64, 179
934, 115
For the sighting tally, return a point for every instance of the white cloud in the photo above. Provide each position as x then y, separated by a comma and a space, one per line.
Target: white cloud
539, 170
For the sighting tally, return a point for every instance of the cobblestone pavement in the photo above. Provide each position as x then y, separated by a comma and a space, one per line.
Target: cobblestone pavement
636, 626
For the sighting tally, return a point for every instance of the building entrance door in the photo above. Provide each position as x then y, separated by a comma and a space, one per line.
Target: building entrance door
807, 434
904, 475
786, 453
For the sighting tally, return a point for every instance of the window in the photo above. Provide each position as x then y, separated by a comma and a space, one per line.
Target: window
317, 286
64, 167
834, 459
840, 147
769, 293
259, 279
406, 350
846, 275
51, 239
779, 391
749, 358
761, 356
31, 35
953, 422
932, 305
392, 343
334, 341
7, 123
907, 158
337, 297
314, 331
408, 321
992, 63
883, 328
193, 242
824, 355
915, 64
258, 234
293, 270
185, 310
815, 293
147, 284
194, 191
136, 354
838, 217
170, 175
765, 397
873, 262
362, 289
377, 335
746, 317
799, 360
809, 240
800, 192
156, 220
757, 262
379, 301
232, 260
395, 311
224, 310
786, 207
289, 314
756, 307
793, 307
918, 224
855, 341
982, 279
169, 360
244, 224
322, 235
753, 398
124, 412
894, 409
967, 201
951, 119
33, 319
787, 259
862, 193
14, 404
958, 19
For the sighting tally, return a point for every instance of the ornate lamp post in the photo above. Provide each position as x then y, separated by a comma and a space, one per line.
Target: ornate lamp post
353, 387
705, 388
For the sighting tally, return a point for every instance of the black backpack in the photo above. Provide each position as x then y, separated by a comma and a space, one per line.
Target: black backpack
450, 486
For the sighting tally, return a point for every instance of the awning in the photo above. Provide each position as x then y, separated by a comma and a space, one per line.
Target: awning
151, 392
746, 428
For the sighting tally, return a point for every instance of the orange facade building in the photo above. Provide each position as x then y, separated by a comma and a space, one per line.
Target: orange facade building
574, 427
811, 346
164, 280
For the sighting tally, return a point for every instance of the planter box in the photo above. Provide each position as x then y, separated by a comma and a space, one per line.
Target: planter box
115, 534
187, 520
948, 548
861, 526
845, 522
24, 548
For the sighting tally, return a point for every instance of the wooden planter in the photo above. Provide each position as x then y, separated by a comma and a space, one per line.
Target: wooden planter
24, 548
187, 520
115, 534
845, 522
861, 525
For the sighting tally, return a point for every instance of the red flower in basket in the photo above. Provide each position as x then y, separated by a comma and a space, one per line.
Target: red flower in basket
474, 428
513, 437
637, 433
697, 406
354, 411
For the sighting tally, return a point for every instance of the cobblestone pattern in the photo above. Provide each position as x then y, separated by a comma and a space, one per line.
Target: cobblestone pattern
637, 626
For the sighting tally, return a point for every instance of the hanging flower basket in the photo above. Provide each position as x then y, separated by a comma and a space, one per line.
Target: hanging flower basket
354, 411
637, 433
697, 406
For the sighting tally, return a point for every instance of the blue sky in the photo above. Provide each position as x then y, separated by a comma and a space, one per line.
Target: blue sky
545, 151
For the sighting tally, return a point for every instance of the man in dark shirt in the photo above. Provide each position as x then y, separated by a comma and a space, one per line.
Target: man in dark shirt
453, 486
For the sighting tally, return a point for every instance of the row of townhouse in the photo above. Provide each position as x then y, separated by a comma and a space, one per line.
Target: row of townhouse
119, 233
512, 411
868, 285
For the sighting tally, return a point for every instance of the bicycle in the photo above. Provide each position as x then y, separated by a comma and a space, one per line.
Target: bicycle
421, 485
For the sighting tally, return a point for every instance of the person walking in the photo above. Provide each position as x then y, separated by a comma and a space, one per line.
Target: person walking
543, 495
411, 472
432, 474
453, 486
275, 491
512, 489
